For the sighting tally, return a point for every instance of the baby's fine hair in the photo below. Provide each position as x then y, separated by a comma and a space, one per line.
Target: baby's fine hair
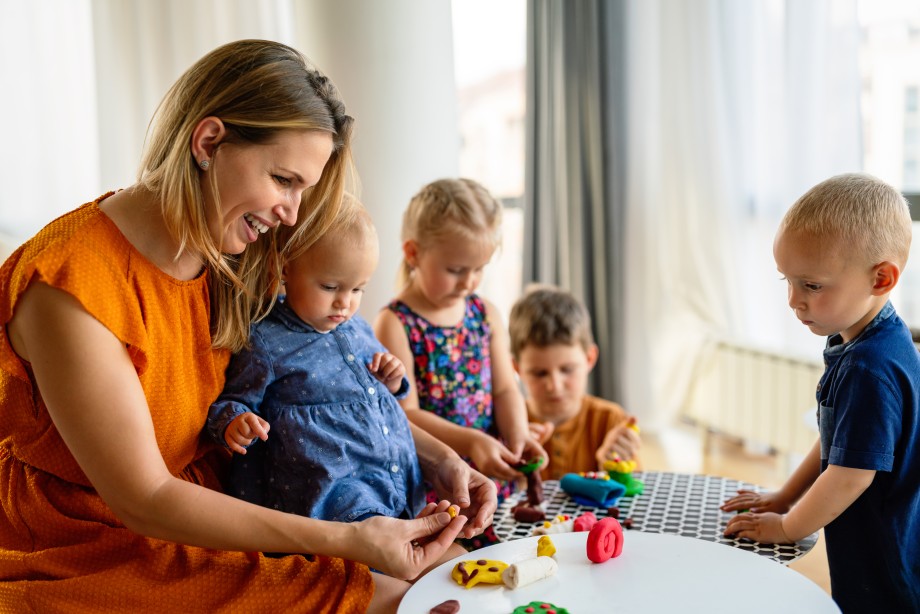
547, 315
352, 227
259, 90
856, 210
450, 208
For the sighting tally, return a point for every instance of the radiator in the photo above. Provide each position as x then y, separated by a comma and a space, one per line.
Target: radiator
761, 397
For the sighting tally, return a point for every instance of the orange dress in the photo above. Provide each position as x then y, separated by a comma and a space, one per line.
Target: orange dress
61, 547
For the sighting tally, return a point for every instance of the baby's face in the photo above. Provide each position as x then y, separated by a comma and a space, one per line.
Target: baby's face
829, 292
325, 284
555, 378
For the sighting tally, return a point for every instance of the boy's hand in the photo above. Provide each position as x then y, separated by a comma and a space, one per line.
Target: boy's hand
243, 429
757, 502
621, 441
764, 528
541, 431
388, 370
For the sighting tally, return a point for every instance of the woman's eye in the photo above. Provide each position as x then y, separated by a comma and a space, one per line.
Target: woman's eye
282, 180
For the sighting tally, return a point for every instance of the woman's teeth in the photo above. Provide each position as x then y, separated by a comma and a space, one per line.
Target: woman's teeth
256, 224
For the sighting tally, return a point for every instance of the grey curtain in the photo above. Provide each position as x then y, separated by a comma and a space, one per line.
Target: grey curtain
575, 175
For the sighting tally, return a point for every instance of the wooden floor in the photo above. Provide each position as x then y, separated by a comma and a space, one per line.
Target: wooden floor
681, 448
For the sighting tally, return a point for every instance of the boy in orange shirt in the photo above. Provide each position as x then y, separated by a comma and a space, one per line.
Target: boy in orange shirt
553, 352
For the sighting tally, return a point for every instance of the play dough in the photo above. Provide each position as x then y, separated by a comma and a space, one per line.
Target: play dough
529, 571
605, 540
545, 546
539, 607
451, 606
471, 573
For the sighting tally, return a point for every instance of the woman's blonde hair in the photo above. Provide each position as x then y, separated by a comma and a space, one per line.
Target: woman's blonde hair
450, 208
258, 89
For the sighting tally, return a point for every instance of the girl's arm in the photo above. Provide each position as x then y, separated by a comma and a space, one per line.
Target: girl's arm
96, 401
490, 455
508, 403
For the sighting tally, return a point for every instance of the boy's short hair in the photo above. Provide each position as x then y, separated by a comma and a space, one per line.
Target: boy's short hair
546, 315
862, 212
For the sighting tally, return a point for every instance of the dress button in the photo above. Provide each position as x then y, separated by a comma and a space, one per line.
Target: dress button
371, 391
394, 468
350, 358
386, 431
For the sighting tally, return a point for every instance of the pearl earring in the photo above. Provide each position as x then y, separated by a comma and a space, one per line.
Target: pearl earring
204, 164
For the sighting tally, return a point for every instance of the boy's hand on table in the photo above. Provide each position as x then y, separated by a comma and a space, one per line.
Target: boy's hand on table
243, 429
621, 441
765, 528
757, 502
388, 369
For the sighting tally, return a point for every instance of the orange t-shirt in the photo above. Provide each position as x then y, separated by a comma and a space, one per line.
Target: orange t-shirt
61, 548
572, 446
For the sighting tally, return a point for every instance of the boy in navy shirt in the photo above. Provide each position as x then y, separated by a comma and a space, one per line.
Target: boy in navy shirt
841, 249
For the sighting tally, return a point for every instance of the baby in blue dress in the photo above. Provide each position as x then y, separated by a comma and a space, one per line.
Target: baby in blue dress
311, 406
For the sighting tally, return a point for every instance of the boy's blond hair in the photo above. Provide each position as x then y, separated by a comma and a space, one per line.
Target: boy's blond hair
449, 208
546, 315
860, 213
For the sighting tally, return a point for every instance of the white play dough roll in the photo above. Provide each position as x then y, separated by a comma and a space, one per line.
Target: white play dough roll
529, 571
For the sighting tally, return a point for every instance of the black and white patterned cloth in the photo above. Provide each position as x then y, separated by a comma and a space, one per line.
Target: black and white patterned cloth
673, 503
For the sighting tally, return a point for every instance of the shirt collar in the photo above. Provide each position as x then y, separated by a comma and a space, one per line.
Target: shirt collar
835, 345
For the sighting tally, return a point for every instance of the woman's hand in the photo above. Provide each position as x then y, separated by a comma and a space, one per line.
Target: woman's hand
757, 502
457, 482
404, 548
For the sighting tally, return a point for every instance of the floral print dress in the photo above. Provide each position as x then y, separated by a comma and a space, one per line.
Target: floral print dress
453, 375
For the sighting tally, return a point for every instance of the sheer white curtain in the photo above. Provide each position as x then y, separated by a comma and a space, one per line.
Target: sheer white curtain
735, 109
81, 79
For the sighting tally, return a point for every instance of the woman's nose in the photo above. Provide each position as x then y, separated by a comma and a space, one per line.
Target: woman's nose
287, 214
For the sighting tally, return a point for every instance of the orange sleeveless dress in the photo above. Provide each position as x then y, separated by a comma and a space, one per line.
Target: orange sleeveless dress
61, 548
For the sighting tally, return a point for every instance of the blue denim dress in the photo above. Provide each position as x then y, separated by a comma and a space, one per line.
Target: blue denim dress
339, 447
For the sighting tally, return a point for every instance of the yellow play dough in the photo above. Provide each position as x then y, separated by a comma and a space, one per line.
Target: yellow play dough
471, 573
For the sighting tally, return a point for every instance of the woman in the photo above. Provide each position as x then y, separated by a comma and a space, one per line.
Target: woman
118, 320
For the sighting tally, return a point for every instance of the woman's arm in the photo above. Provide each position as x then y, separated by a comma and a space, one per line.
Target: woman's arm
96, 401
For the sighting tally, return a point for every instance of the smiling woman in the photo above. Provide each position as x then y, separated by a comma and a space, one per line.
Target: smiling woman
116, 324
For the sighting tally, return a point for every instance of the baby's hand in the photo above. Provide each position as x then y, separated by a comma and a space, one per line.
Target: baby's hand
388, 370
243, 429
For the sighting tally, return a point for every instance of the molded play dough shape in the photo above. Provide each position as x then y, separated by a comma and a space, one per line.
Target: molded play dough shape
545, 546
595, 491
605, 540
539, 607
471, 573
527, 572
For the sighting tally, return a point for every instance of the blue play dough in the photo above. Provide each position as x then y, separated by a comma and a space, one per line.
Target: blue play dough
596, 493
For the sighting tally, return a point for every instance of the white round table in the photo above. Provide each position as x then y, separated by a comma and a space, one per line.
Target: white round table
654, 573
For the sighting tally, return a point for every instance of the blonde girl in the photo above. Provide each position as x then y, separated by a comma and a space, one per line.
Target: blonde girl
463, 388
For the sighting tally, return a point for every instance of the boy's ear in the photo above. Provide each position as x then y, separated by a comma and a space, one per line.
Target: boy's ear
885, 277
410, 252
517, 367
591, 354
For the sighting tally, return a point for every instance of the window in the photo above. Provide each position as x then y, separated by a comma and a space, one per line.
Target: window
489, 58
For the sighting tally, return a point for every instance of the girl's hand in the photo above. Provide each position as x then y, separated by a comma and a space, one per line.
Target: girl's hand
532, 450
456, 481
492, 457
757, 502
404, 548
764, 528
388, 370
243, 429
541, 431
621, 441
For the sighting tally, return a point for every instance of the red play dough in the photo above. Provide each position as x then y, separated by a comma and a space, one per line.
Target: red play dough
605, 540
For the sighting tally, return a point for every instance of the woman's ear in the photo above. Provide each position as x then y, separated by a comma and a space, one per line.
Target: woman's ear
206, 136
885, 277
